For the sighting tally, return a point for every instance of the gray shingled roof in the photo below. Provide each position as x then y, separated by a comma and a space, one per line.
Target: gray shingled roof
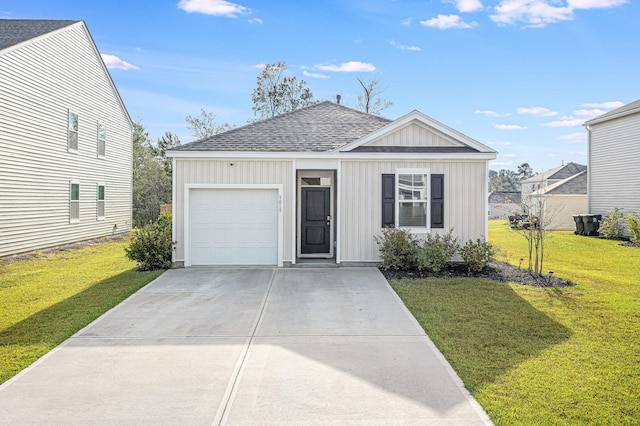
574, 185
635, 105
504, 197
557, 173
14, 31
321, 127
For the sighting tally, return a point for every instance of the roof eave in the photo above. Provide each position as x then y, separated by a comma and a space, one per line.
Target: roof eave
602, 119
331, 155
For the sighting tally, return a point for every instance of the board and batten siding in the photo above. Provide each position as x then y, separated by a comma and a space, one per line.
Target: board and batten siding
232, 171
614, 158
465, 202
414, 134
40, 82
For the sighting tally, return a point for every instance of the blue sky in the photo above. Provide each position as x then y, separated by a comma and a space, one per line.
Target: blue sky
518, 75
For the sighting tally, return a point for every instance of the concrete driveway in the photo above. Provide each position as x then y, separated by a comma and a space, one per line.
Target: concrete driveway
247, 346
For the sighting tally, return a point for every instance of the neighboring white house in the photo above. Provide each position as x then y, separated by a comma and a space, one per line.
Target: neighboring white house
322, 182
614, 160
65, 138
549, 177
562, 200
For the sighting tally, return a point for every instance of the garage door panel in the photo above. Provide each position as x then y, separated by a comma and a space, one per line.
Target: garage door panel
234, 227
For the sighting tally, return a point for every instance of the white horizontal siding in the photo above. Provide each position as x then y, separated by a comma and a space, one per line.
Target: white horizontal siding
561, 208
465, 195
39, 83
414, 134
241, 172
614, 171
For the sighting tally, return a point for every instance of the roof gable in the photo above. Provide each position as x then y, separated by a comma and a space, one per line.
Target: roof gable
446, 138
630, 108
322, 127
16, 31
557, 173
573, 185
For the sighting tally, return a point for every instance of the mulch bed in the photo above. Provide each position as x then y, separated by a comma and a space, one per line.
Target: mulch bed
497, 271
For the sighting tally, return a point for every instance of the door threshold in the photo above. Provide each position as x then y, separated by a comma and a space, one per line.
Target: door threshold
315, 263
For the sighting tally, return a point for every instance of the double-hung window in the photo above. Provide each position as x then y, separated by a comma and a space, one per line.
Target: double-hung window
100, 202
74, 202
102, 138
412, 199
72, 134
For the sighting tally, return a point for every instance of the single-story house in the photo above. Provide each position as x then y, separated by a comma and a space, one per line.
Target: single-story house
614, 156
503, 204
562, 200
321, 182
65, 138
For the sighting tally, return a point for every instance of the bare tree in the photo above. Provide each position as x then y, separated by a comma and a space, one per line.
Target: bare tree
369, 99
205, 125
277, 93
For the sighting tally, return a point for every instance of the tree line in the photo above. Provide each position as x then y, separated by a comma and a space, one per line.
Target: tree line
508, 180
275, 93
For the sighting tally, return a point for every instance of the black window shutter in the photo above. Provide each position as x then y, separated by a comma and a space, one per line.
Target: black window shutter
388, 200
437, 201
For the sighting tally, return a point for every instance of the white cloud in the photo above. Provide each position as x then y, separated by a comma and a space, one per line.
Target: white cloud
406, 22
606, 105
404, 47
509, 127
509, 155
500, 143
595, 4
565, 122
351, 66
537, 111
489, 113
255, 21
113, 62
314, 74
213, 7
535, 13
589, 113
468, 5
577, 137
445, 22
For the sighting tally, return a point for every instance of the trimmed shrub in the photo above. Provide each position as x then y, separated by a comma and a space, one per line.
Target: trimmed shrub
436, 252
398, 249
476, 255
613, 225
634, 228
151, 246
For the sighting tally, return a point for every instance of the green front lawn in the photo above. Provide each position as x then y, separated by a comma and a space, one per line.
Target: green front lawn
46, 299
543, 356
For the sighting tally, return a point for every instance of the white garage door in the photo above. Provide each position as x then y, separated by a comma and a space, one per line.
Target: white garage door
233, 226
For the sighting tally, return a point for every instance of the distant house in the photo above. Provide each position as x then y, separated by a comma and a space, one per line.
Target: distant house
503, 204
614, 160
322, 182
65, 138
562, 200
551, 176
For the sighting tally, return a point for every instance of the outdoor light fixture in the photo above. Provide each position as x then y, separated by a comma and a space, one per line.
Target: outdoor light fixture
550, 276
520, 265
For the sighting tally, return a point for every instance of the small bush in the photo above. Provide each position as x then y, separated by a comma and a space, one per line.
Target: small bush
398, 249
476, 254
613, 225
151, 246
436, 252
634, 228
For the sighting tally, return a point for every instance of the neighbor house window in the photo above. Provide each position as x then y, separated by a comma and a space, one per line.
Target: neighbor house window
100, 202
72, 137
74, 202
412, 199
102, 138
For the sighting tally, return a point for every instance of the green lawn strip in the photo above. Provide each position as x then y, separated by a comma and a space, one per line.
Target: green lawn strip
44, 301
536, 356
